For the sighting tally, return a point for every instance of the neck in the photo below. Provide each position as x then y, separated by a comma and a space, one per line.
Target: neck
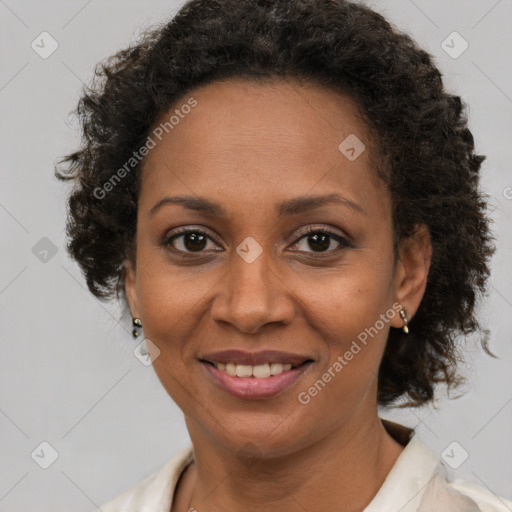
348, 466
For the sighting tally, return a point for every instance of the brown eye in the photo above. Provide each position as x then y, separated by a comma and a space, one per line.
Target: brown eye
319, 241
189, 241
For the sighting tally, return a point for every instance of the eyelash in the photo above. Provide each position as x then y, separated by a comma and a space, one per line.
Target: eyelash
344, 243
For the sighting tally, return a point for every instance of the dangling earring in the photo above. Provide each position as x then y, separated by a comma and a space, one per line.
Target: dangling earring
403, 315
137, 324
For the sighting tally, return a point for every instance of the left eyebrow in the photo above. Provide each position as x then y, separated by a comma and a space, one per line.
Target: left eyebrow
305, 203
293, 206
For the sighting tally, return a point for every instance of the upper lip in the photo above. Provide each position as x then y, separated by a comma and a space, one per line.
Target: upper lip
255, 358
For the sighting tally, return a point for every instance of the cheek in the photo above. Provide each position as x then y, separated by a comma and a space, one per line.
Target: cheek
170, 296
350, 299
354, 328
352, 315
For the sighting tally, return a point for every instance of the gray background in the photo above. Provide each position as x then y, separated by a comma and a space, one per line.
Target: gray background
68, 373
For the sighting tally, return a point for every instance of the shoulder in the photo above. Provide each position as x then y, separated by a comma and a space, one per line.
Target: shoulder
156, 491
420, 481
461, 495
486, 500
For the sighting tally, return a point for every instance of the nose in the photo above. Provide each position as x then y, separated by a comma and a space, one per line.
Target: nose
253, 295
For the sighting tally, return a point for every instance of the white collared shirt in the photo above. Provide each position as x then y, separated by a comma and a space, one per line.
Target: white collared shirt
417, 482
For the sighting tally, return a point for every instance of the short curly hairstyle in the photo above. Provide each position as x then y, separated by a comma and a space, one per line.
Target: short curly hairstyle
426, 151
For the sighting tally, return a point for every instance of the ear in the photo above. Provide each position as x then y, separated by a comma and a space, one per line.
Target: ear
129, 278
412, 268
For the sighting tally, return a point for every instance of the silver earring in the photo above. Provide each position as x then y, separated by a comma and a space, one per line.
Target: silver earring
403, 315
137, 324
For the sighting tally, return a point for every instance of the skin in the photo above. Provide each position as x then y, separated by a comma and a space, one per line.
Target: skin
247, 146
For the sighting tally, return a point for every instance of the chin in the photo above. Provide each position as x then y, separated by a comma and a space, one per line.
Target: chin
263, 437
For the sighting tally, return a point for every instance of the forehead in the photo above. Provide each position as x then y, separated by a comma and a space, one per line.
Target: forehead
274, 114
260, 140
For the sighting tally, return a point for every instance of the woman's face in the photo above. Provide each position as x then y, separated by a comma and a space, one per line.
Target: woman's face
260, 165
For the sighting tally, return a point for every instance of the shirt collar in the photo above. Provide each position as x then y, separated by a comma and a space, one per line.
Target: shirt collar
409, 477
401, 491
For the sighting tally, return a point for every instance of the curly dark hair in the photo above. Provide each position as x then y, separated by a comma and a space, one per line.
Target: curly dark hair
426, 151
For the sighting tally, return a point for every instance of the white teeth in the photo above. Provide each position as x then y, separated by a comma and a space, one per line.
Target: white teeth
276, 368
260, 371
243, 370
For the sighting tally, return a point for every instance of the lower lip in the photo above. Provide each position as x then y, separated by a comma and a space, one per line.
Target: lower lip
253, 388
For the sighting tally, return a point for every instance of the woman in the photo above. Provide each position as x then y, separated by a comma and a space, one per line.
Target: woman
286, 200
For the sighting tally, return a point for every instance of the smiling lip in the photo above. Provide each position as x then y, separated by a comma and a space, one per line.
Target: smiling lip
255, 358
252, 387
